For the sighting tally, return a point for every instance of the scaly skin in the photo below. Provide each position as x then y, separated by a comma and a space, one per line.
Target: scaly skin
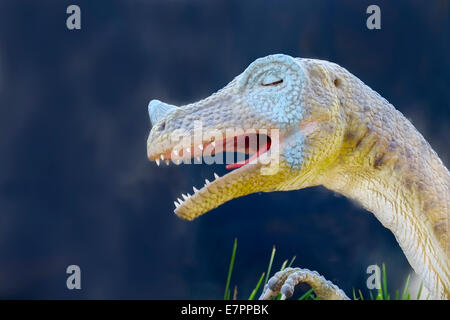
333, 131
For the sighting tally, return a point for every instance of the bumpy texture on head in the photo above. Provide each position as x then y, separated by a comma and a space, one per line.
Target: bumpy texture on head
272, 87
333, 131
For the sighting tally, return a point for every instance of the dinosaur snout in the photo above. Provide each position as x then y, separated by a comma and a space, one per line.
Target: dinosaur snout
158, 110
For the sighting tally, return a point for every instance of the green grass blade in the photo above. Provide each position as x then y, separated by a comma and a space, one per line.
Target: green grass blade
306, 295
371, 295
284, 265
252, 295
361, 295
354, 294
384, 285
292, 261
420, 291
226, 295
405, 290
270, 264
379, 295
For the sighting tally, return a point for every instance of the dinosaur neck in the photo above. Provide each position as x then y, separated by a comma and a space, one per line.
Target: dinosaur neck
393, 172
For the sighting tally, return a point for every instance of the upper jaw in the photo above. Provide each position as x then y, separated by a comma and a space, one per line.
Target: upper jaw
196, 146
193, 130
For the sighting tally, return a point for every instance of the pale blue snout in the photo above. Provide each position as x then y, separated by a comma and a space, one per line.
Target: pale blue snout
158, 110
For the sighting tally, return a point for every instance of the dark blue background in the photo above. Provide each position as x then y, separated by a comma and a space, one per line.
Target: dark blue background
75, 184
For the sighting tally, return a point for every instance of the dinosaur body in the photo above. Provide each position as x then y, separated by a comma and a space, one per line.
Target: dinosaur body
329, 129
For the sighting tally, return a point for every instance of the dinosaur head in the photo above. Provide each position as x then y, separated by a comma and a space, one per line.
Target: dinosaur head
280, 111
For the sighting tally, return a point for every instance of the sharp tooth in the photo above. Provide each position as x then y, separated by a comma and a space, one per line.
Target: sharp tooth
167, 162
216, 176
185, 197
177, 162
207, 182
157, 161
195, 189
175, 152
180, 201
189, 195
188, 150
198, 159
162, 157
213, 144
200, 146
176, 204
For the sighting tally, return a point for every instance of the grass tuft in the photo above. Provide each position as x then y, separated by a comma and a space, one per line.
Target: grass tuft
382, 293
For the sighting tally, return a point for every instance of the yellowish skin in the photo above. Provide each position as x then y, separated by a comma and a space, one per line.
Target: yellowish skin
355, 143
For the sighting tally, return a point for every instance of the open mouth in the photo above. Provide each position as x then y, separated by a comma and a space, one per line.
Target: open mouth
246, 150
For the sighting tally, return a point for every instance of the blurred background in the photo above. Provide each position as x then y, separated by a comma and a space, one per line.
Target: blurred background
75, 183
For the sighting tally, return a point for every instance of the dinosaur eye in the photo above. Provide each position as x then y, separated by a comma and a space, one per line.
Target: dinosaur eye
271, 80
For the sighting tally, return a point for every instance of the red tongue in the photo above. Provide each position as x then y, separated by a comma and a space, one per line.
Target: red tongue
253, 157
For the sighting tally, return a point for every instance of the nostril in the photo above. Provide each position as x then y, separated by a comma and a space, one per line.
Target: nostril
337, 82
162, 126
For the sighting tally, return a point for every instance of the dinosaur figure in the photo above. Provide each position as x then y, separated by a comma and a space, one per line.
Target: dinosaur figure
320, 125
